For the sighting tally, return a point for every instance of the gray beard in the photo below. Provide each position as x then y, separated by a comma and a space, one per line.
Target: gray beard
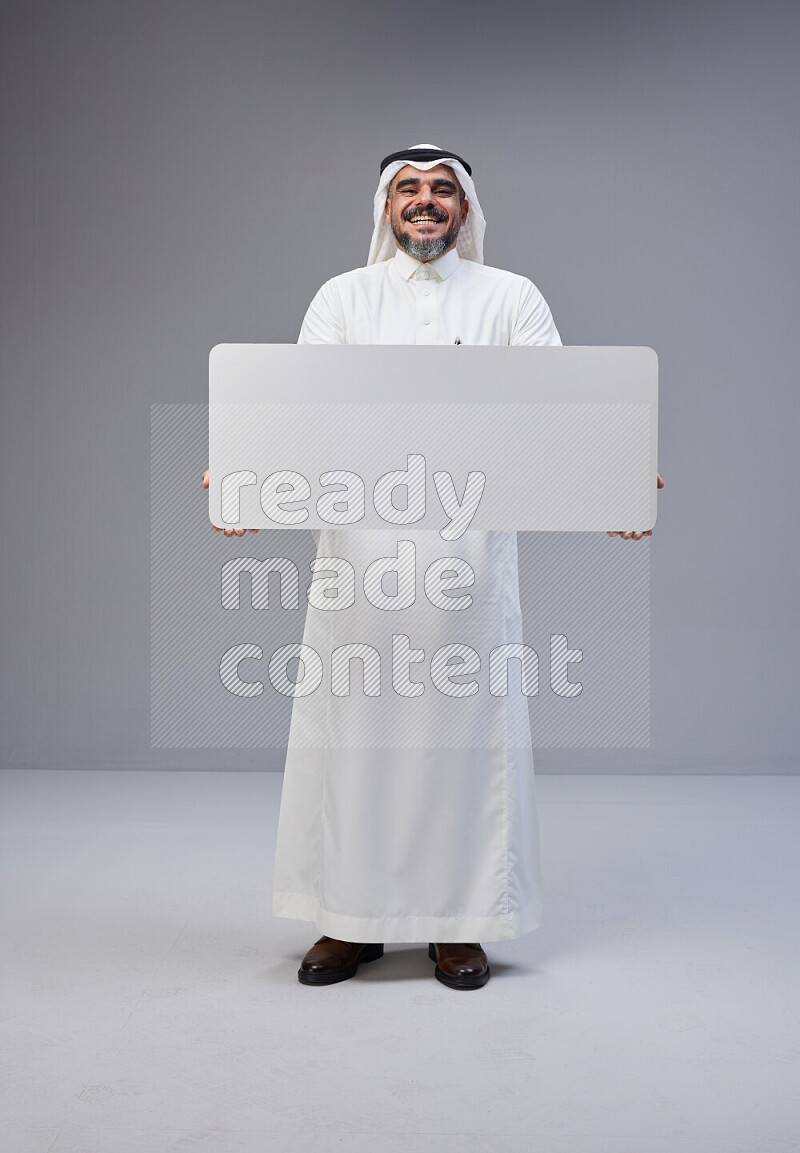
428, 249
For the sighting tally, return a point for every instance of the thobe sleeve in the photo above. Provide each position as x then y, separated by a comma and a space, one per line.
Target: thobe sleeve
534, 323
324, 321
323, 324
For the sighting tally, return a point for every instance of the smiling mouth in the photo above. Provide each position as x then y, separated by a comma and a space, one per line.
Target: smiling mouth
424, 220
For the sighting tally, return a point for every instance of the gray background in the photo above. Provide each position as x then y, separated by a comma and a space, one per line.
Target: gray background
181, 174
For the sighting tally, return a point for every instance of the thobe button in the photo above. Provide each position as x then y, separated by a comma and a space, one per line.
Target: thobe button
426, 321
427, 292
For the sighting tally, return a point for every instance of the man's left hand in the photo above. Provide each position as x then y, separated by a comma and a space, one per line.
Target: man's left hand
639, 535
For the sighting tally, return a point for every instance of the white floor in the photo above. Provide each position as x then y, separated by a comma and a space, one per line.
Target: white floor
150, 1002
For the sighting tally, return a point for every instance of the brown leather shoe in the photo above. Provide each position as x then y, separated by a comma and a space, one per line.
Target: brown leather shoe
329, 960
460, 966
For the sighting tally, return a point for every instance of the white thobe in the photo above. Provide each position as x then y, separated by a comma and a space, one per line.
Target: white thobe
416, 821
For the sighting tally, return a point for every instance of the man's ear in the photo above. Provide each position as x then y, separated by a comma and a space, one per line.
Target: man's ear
387, 209
464, 210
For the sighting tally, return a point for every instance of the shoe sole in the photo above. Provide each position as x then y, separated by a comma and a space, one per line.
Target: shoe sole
370, 953
458, 982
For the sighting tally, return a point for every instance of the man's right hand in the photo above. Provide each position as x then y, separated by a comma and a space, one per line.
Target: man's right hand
227, 531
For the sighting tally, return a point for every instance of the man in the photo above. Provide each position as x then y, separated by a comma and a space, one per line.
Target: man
416, 821
417, 842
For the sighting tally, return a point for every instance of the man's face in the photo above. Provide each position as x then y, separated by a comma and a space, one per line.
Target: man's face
425, 210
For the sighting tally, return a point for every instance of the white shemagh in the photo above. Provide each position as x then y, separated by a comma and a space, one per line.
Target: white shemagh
470, 238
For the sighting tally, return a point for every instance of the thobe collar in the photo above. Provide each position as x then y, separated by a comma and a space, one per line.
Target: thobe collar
440, 269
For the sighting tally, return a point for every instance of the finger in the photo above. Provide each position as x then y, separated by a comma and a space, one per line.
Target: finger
253, 530
228, 532
611, 534
636, 535
239, 531
659, 481
205, 478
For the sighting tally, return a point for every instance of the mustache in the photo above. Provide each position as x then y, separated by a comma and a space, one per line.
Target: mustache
427, 210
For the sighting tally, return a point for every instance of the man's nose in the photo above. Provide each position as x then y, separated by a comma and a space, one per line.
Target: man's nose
424, 196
